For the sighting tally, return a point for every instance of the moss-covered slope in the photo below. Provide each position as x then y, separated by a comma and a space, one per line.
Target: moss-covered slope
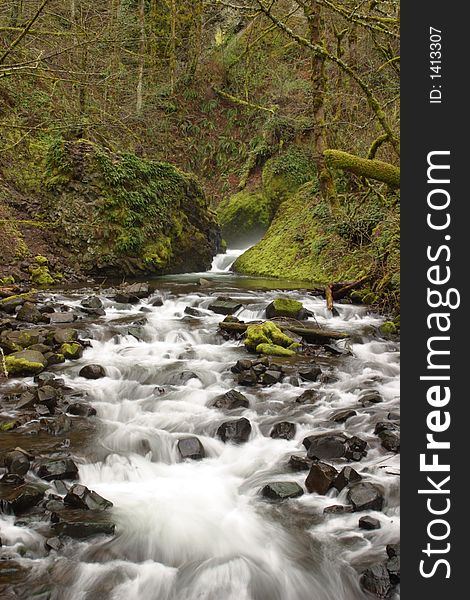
306, 242
123, 214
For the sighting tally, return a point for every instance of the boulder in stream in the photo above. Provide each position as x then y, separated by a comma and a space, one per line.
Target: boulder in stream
191, 447
285, 307
61, 468
369, 523
224, 306
281, 490
92, 372
376, 580
320, 478
365, 496
18, 500
25, 362
236, 431
230, 400
81, 524
346, 477
283, 430
81, 497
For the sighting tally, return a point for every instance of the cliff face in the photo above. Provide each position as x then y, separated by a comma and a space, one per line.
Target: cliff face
121, 214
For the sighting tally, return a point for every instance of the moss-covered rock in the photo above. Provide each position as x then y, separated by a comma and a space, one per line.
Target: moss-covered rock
244, 218
72, 351
122, 213
388, 328
26, 362
285, 307
41, 275
267, 338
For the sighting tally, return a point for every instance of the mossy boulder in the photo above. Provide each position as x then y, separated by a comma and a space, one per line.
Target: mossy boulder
244, 218
119, 213
388, 328
284, 174
25, 362
41, 276
285, 307
72, 351
267, 338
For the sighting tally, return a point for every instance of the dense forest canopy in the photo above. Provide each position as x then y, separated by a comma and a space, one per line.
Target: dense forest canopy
219, 89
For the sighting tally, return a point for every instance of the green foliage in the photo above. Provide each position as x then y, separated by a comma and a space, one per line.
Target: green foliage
244, 217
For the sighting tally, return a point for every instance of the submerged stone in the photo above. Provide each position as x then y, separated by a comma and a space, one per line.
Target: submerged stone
282, 490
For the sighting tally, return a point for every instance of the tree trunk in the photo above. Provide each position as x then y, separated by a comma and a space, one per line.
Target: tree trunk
364, 167
140, 77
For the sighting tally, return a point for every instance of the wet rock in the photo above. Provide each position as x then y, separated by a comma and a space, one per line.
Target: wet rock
49, 397
376, 580
131, 294
29, 313
392, 550
271, 377
337, 509
61, 486
224, 306
369, 523
283, 430
81, 409
20, 499
158, 301
325, 446
393, 563
231, 400
81, 497
48, 379
282, 490
299, 463
59, 318
193, 312
393, 416
346, 477
64, 336
10, 304
308, 397
17, 462
91, 302
192, 448
92, 372
390, 440
343, 415
63, 468
285, 307
58, 425
181, 378
370, 397
11, 479
80, 524
241, 365
355, 448
237, 431
54, 358
365, 496
54, 544
25, 362
320, 478
27, 400
310, 373
247, 378
71, 351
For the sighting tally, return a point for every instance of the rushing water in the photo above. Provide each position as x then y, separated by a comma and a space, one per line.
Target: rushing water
199, 530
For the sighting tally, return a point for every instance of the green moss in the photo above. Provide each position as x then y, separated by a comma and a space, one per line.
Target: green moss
21, 366
267, 336
388, 328
41, 260
274, 350
41, 276
7, 280
71, 351
7, 425
287, 308
244, 217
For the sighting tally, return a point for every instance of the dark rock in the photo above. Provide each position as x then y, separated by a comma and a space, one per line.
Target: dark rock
299, 463
283, 430
181, 378
337, 509
48, 379
92, 372
390, 440
320, 478
355, 448
158, 301
376, 580
247, 378
370, 397
12, 479
193, 312
346, 477
54, 358
393, 568
282, 490
369, 523
17, 462
81, 497
224, 306
271, 377
309, 396
192, 448
385, 426
81, 524
92, 302
231, 319
365, 496
237, 431
241, 365
63, 468
325, 446
20, 499
230, 400
392, 550
9, 305
61, 487
393, 416
29, 313
130, 294
27, 400
80, 409
343, 415
310, 374
49, 397
65, 336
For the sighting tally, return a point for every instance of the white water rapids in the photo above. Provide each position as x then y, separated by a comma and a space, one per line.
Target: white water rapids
199, 530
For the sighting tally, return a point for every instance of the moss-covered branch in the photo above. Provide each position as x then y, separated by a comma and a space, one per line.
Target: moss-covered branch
364, 167
242, 102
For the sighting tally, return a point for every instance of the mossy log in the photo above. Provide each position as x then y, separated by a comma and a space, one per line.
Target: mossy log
364, 167
312, 335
